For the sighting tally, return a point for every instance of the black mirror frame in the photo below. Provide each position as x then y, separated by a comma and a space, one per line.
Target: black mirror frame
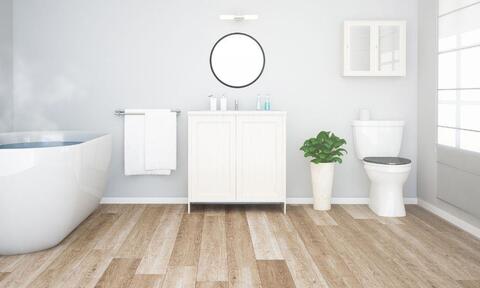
263, 54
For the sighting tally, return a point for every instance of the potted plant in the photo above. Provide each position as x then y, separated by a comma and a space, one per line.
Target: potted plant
326, 150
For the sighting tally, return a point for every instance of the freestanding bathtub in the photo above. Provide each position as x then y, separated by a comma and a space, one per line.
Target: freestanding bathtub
49, 183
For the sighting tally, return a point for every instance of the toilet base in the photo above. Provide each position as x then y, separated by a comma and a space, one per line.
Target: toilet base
387, 200
386, 188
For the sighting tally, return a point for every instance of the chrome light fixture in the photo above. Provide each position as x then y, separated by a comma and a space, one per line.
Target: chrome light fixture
232, 17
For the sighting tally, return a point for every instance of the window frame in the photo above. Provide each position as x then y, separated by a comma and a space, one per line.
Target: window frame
458, 102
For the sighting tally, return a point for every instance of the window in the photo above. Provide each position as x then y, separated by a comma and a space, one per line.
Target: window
459, 74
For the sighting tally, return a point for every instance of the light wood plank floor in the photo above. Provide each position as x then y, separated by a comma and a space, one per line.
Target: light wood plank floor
252, 246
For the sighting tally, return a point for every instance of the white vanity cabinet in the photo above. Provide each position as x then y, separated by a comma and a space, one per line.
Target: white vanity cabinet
211, 157
236, 157
374, 48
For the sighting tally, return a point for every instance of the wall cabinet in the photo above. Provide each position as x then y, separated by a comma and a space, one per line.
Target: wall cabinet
374, 48
236, 157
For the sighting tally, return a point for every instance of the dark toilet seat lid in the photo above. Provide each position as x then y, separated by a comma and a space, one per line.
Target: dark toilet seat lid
387, 160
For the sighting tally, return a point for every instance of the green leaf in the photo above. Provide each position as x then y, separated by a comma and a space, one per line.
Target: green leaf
326, 147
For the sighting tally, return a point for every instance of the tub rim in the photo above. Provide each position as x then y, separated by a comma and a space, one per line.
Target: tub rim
81, 136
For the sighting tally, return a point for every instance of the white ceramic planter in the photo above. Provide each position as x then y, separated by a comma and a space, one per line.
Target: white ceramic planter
322, 183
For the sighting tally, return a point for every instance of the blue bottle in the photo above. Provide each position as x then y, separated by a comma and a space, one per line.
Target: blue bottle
267, 105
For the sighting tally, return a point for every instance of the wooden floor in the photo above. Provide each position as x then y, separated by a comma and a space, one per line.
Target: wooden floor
238, 246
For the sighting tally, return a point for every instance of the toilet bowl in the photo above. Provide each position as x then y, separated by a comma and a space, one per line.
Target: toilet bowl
387, 176
377, 145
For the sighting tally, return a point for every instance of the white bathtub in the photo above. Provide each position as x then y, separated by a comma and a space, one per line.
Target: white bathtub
46, 192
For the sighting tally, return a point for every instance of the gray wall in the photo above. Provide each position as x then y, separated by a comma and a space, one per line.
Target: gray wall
6, 58
427, 105
77, 61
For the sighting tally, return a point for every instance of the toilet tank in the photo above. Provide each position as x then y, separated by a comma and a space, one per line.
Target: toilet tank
377, 138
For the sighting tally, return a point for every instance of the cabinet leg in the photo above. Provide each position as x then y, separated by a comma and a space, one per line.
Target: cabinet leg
188, 207
285, 208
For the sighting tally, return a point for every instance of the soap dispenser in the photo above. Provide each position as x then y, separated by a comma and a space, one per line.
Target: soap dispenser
267, 105
259, 102
223, 103
213, 102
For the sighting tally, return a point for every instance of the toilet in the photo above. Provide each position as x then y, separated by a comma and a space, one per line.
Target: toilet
377, 145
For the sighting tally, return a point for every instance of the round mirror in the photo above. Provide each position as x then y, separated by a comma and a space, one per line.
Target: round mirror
237, 60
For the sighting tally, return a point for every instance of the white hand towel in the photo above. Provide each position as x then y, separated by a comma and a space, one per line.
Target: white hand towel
160, 140
136, 144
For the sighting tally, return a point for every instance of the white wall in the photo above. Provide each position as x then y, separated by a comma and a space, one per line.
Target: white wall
427, 119
77, 61
6, 58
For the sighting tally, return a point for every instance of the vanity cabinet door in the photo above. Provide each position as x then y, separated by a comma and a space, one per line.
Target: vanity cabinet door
261, 158
211, 158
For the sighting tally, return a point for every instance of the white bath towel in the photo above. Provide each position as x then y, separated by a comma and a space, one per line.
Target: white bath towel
150, 142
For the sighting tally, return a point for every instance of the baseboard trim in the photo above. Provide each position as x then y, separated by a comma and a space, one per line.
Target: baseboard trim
345, 201
144, 200
184, 200
450, 218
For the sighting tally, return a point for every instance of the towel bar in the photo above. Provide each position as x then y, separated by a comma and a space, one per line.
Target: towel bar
122, 112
